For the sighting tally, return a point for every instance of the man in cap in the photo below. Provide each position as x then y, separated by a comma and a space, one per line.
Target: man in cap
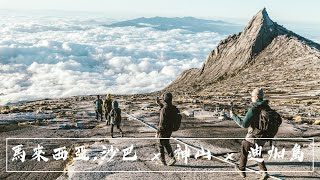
248, 121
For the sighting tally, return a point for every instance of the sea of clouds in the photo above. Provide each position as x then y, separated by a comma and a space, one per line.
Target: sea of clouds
52, 57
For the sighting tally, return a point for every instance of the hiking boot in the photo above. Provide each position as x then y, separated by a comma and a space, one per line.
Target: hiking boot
112, 135
122, 134
240, 172
172, 161
264, 176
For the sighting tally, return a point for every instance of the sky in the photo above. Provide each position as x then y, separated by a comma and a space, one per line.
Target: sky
62, 48
293, 11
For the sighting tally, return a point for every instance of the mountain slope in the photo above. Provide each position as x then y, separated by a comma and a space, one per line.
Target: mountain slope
261, 39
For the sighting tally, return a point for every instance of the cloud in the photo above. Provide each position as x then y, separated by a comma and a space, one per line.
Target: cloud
51, 57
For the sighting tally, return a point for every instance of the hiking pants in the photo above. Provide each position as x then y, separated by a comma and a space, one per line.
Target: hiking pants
164, 143
118, 126
99, 113
107, 114
245, 149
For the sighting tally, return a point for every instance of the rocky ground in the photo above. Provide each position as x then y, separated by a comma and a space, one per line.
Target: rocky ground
74, 118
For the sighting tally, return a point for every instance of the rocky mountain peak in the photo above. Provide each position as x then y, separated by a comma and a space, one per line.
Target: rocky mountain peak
260, 40
237, 51
262, 17
259, 32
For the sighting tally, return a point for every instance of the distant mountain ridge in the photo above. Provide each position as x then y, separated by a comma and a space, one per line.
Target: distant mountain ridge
187, 23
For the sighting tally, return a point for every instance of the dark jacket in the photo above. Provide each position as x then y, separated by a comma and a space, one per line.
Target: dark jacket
251, 117
165, 123
98, 104
108, 105
115, 114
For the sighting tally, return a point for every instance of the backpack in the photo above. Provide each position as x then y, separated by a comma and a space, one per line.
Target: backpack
268, 123
176, 117
116, 115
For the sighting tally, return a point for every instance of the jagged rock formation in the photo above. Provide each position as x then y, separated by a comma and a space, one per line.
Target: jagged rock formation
244, 50
264, 55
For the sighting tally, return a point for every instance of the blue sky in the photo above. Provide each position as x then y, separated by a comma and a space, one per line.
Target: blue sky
293, 11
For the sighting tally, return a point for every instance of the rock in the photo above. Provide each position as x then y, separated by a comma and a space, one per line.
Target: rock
40, 110
317, 122
80, 125
195, 101
189, 113
297, 119
66, 126
14, 110
4, 110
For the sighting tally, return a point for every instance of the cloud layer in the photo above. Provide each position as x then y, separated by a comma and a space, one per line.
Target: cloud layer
47, 57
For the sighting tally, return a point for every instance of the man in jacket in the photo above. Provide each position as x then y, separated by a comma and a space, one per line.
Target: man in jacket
98, 107
115, 116
164, 130
248, 122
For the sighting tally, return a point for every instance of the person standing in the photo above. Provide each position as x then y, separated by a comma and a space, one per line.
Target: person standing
252, 116
165, 128
107, 108
115, 116
98, 107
